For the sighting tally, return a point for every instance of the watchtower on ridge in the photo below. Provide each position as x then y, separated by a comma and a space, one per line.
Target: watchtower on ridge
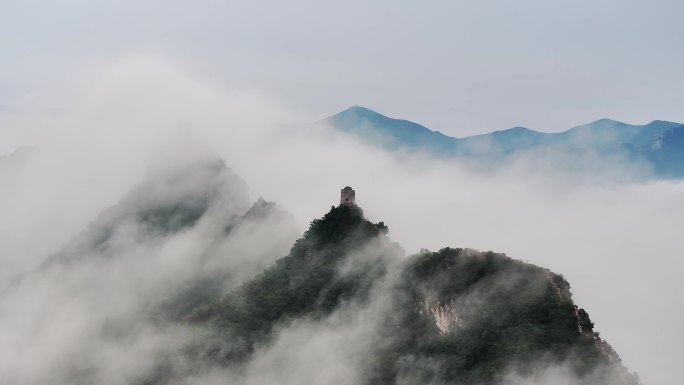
347, 196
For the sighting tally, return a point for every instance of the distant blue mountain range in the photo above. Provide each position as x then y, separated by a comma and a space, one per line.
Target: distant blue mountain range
657, 147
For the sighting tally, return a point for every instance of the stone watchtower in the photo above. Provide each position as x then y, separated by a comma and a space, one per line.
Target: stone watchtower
348, 196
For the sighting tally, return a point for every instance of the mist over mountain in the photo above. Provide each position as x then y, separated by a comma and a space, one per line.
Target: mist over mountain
106, 308
169, 208
185, 281
649, 151
452, 316
115, 296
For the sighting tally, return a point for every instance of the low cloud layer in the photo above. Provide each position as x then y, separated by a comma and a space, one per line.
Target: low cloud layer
617, 243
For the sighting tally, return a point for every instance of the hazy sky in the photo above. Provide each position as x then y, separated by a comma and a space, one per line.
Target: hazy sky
461, 67
100, 87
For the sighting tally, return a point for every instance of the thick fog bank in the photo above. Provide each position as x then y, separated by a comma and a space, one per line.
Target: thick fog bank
617, 243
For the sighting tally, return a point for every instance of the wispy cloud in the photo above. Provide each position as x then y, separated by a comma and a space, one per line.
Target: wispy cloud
615, 242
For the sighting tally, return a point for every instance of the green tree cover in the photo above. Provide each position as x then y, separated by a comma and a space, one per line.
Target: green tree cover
510, 315
305, 281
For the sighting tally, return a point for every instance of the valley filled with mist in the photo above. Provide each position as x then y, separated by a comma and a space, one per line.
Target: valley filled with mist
159, 228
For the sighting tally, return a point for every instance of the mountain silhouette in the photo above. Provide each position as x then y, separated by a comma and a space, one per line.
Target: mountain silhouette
655, 147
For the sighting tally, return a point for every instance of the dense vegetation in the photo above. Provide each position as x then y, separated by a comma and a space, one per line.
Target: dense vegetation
511, 316
458, 315
451, 316
306, 282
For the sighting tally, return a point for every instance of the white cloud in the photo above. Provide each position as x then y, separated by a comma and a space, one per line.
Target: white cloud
616, 243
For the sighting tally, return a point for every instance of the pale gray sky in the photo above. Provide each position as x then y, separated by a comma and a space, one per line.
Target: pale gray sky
461, 67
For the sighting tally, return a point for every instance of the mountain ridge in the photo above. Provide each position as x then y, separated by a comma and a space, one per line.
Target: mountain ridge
604, 142
389, 132
186, 257
365, 111
523, 313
